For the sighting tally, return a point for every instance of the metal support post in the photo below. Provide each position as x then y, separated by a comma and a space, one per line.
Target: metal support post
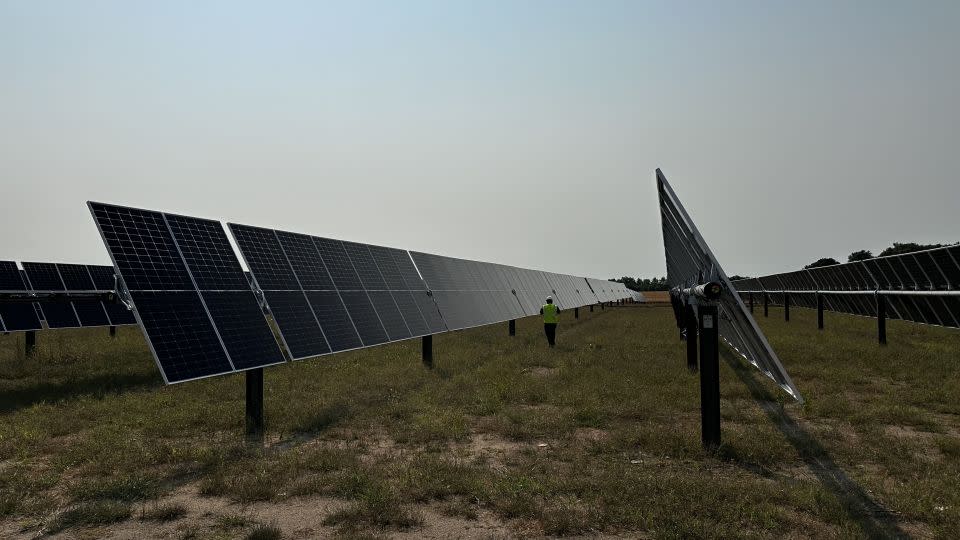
751, 302
113, 331
819, 311
691, 320
709, 375
29, 342
591, 308
576, 313
786, 306
882, 319
255, 403
512, 327
602, 306
766, 304
427, 343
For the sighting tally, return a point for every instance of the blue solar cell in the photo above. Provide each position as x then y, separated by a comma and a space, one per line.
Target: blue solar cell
103, 277
240, 323
142, 248
119, 314
43, 276
179, 331
366, 267
265, 257
207, 252
385, 258
429, 311
334, 320
59, 314
90, 313
75, 277
10, 277
364, 317
19, 317
389, 315
306, 261
411, 313
297, 323
338, 264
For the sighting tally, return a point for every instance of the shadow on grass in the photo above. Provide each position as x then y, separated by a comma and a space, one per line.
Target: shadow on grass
875, 520
96, 386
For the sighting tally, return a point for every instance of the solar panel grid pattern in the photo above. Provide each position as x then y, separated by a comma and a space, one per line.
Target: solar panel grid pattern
189, 292
16, 317
305, 261
931, 270
103, 280
265, 257
76, 277
46, 277
358, 295
207, 252
142, 248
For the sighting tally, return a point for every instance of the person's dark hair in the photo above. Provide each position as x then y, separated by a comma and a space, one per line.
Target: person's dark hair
549, 300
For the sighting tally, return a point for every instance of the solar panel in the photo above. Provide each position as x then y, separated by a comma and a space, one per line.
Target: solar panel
297, 323
332, 316
20, 316
357, 294
188, 292
690, 262
103, 279
46, 277
923, 272
468, 293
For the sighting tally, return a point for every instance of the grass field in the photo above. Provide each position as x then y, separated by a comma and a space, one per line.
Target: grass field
504, 437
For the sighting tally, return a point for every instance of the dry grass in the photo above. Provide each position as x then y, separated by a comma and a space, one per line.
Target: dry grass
600, 435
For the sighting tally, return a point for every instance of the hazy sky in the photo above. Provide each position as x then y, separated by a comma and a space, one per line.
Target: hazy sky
519, 132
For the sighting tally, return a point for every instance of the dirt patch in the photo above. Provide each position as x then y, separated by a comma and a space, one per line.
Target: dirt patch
300, 517
439, 525
592, 435
542, 372
492, 449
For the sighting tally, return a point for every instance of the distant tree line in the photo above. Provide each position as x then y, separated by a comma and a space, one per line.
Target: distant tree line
644, 284
898, 248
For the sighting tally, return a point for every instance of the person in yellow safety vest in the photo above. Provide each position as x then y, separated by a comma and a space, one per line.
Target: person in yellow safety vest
551, 316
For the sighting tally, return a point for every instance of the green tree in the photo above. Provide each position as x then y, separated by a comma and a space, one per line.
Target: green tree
826, 261
899, 248
861, 255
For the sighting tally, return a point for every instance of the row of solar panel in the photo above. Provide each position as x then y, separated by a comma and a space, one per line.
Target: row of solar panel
609, 291
935, 269
473, 293
329, 295
894, 273
689, 261
51, 277
926, 309
201, 318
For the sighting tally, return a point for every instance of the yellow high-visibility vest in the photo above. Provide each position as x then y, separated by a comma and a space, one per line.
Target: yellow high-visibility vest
550, 314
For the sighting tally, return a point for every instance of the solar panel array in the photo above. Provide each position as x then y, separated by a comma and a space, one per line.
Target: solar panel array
328, 295
924, 272
59, 313
690, 262
16, 317
473, 293
189, 293
202, 318
609, 291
